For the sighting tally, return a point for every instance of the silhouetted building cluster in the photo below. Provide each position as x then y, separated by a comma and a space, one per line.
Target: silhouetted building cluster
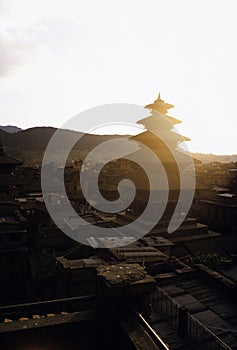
166, 290
216, 204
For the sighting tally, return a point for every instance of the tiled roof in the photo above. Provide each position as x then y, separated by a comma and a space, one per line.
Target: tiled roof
6, 160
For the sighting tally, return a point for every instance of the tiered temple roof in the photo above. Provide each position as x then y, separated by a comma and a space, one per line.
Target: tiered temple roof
160, 121
160, 135
161, 106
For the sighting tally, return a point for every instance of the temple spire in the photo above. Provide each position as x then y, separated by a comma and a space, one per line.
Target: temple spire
162, 107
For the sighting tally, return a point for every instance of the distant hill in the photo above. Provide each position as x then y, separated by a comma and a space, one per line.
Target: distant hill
11, 129
208, 158
37, 139
29, 145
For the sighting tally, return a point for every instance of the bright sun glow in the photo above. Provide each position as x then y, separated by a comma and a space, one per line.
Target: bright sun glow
59, 58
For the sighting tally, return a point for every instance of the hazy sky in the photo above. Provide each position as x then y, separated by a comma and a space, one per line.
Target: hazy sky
60, 57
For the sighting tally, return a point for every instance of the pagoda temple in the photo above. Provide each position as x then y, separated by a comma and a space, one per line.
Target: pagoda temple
161, 138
